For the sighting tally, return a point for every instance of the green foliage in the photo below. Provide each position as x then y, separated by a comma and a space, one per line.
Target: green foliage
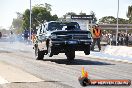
129, 13
123, 21
112, 20
26, 17
4, 31
81, 13
108, 19
54, 17
48, 7
17, 23
40, 14
69, 13
94, 17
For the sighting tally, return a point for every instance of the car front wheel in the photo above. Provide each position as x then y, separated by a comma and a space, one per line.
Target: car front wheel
50, 49
70, 55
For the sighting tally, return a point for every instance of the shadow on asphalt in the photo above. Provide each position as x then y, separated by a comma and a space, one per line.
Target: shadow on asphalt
77, 62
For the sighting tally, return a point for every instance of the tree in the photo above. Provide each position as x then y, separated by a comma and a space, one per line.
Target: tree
94, 17
40, 14
48, 7
4, 31
54, 17
112, 20
19, 15
81, 13
69, 13
108, 20
129, 13
123, 21
17, 23
26, 18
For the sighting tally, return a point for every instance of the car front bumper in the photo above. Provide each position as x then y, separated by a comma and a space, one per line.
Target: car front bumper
63, 46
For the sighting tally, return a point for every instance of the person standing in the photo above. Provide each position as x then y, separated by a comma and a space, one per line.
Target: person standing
12, 37
33, 37
0, 35
96, 34
126, 40
26, 35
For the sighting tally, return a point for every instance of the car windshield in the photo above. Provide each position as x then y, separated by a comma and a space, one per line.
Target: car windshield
63, 26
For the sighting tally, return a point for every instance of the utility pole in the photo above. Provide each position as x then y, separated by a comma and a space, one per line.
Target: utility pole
117, 24
30, 20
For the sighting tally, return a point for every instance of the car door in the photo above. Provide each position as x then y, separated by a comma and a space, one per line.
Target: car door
42, 39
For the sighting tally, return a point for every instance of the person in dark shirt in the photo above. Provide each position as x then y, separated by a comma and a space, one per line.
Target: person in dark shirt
0, 34
126, 40
26, 35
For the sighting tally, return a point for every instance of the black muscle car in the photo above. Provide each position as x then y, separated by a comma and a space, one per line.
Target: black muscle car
61, 37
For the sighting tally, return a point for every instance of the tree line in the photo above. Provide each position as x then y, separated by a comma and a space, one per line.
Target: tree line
42, 12
113, 20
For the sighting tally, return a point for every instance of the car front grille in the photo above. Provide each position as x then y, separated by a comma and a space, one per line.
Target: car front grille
80, 36
73, 36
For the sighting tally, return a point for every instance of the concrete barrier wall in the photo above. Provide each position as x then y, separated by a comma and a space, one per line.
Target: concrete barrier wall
119, 51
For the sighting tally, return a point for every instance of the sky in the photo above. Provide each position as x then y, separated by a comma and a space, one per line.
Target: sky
101, 8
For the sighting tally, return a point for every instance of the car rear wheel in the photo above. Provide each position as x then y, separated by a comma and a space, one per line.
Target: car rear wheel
39, 54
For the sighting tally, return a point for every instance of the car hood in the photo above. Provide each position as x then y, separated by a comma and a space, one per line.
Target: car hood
65, 32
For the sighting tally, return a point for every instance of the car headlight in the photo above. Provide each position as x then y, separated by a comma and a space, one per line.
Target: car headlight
91, 40
89, 35
42, 37
53, 36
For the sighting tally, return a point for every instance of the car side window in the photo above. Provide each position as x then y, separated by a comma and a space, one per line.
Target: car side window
38, 31
41, 30
44, 28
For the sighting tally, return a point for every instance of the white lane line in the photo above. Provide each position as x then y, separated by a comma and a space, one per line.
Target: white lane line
3, 81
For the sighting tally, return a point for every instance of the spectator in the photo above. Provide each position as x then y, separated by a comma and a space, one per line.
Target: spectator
96, 34
11, 37
26, 35
0, 35
126, 39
